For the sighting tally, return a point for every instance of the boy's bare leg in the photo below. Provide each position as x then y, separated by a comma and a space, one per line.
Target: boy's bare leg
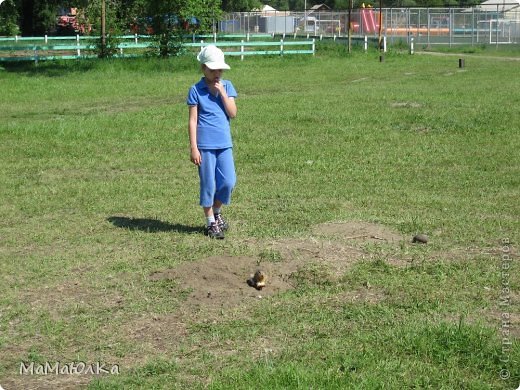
208, 211
217, 205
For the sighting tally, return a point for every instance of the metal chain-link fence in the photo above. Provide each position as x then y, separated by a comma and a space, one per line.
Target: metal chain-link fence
484, 24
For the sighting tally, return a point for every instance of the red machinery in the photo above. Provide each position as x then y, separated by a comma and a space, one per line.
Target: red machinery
68, 22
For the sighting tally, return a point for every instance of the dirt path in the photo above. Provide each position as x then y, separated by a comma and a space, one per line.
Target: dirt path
466, 55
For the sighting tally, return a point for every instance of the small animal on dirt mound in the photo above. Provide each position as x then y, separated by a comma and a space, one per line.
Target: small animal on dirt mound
258, 280
420, 238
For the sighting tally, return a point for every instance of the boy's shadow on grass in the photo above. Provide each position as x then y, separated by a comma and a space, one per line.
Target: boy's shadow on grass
151, 225
49, 68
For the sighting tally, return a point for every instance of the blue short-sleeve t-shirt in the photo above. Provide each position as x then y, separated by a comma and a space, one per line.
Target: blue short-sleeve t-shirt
213, 130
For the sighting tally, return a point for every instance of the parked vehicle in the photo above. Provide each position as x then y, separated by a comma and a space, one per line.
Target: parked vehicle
68, 22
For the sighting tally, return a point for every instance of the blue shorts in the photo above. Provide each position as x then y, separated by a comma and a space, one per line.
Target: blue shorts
217, 176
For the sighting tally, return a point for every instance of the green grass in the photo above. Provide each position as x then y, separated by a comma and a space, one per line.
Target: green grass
98, 192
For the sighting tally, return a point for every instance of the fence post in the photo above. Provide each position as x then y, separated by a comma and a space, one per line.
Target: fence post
411, 45
366, 43
281, 47
496, 34
77, 38
473, 27
46, 38
384, 44
450, 25
242, 50
247, 36
313, 46
334, 38
215, 37
136, 38
16, 38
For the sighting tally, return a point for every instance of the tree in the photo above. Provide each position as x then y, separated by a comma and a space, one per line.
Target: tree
172, 19
9, 15
280, 5
115, 24
38, 17
240, 5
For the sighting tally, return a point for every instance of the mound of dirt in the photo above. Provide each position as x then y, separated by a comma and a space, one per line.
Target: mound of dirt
333, 257
359, 231
221, 281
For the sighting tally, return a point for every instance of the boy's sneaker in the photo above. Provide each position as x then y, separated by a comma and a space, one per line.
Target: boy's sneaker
221, 222
214, 231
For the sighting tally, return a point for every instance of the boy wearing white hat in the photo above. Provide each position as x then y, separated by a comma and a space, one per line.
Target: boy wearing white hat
211, 104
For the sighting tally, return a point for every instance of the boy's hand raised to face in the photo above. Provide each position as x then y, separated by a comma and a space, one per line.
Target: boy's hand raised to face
217, 86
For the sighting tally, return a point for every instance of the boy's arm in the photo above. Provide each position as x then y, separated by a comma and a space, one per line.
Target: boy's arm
229, 102
192, 131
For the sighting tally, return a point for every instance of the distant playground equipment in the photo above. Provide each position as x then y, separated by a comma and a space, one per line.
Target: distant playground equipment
398, 31
439, 25
368, 19
369, 24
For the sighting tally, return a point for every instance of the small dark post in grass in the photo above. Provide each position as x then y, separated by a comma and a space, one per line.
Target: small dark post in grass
461, 62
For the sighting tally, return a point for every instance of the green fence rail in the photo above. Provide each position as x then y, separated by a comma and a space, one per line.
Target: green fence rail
18, 52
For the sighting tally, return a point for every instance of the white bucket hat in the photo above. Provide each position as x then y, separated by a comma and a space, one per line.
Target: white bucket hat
212, 57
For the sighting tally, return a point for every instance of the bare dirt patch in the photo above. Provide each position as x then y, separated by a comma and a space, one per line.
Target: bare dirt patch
406, 105
215, 288
358, 231
48, 382
503, 318
220, 282
332, 256
466, 55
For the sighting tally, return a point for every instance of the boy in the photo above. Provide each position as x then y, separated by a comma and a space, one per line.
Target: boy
211, 104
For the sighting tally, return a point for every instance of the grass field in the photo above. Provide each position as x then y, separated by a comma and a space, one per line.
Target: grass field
341, 160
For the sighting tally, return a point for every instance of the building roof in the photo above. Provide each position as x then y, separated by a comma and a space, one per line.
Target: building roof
319, 7
503, 5
264, 8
